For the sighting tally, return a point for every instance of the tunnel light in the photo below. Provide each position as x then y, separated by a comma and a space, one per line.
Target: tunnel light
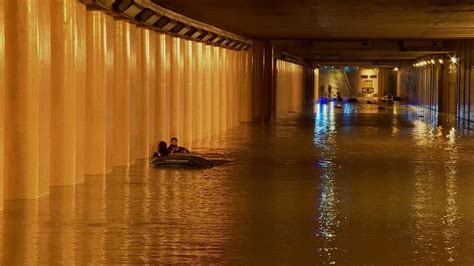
395, 69
231, 44
238, 47
217, 40
191, 32
184, 30
235, 45
121, 6
105, 3
212, 38
245, 47
178, 27
208, 36
432, 61
454, 60
440, 61
144, 15
132, 11
196, 34
226, 42
170, 25
152, 20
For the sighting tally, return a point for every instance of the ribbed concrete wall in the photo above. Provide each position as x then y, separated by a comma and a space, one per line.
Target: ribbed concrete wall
421, 86
82, 92
289, 87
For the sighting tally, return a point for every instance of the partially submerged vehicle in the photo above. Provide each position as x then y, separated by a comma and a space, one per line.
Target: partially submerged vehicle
182, 160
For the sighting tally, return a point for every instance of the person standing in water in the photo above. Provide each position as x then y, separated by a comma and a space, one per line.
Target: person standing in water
329, 92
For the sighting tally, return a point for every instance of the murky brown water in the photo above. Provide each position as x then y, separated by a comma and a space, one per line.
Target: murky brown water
354, 185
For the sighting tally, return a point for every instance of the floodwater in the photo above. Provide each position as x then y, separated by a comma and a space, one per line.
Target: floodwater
350, 185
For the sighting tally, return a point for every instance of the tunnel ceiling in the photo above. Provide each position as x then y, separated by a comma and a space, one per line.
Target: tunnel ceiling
335, 19
300, 26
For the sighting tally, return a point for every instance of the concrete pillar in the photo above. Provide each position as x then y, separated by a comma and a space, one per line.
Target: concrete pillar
162, 126
246, 101
152, 140
110, 89
188, 93
207, 93
231, 87
223, 88
231, 82
176, 108
22, 94
181, 80
96, 95
215, 95
263, 77
44, 60
2, 98
81, 16
143, 93
237, 88
198, 66
63, 93
316, 85
133, 123
121, 96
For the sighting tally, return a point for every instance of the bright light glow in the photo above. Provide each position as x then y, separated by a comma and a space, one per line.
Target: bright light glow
432, 61
454, 60
396, 69
440, 61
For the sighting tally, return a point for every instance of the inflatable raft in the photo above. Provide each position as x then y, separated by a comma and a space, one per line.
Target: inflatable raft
182, 160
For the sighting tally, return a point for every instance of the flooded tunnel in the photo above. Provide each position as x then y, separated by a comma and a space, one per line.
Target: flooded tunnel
338, 132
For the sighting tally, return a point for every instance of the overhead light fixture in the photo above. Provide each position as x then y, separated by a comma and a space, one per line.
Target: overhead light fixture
217, 40
196, 34
202, 35
105, 3
177, 28
432, 61
165, 24
395, 69
211, 38
144, 15
226, 42
230, 43
190, 32
207, 37
440, 61
132, 11
454, 60
121, 6
245, 47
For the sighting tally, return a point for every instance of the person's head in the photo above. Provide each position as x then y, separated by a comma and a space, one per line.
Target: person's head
174, 141
162, 146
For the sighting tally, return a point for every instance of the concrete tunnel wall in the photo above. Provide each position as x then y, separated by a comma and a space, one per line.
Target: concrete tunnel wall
82, 92
289, 87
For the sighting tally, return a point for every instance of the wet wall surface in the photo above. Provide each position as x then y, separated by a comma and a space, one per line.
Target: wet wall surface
349, 185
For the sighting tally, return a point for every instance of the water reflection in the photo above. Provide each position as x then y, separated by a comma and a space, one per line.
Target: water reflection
352, 185
325, 142
452, 217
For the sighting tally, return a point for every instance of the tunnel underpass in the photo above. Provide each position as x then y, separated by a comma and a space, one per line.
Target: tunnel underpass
340, 132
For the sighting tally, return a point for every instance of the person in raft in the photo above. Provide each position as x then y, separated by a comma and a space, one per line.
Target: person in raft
162, 150
174, 148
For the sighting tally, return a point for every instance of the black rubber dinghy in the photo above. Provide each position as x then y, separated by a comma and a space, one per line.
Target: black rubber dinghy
182, 160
